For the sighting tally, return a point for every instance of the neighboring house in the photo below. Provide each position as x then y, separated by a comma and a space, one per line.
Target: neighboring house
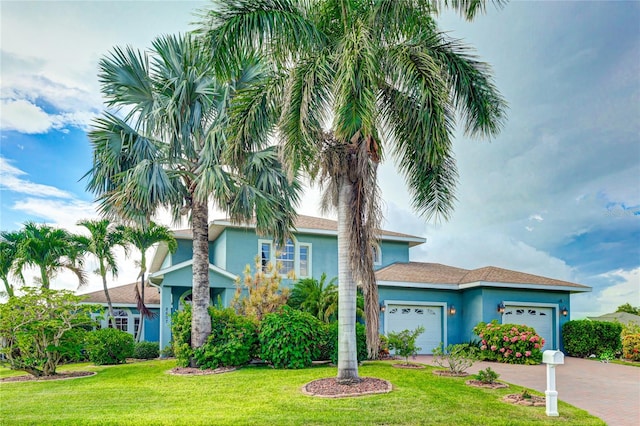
621, 317
126, 314
447, 301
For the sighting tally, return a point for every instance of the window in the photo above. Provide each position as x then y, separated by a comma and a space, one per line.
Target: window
377, 254
293, 257
121, 319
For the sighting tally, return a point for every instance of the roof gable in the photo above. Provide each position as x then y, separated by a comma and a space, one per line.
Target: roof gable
124, 294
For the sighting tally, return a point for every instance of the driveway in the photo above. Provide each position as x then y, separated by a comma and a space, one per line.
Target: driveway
608, 391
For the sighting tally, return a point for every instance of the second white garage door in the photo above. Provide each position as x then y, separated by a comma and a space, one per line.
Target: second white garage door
541, 319
409, 317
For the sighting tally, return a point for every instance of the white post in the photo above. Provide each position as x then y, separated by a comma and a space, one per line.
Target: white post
552, 358
551, 395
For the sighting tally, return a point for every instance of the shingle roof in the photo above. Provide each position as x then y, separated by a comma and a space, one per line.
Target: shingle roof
435, 273
621, 317
123, 294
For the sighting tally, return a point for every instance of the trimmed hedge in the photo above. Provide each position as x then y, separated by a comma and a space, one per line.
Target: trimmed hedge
582, 338
290, 338
232, 342
146, 350
109, 346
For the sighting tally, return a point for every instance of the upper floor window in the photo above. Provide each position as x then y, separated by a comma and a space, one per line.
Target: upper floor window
294, 257
377, 254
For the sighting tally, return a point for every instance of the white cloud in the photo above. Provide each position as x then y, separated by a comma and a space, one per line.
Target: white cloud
626, 289
23, 116
10, 180
63, 213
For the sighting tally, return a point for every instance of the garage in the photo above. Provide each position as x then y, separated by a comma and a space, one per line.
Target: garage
400, 317
540, 318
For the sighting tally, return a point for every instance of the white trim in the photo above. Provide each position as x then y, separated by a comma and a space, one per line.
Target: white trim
553, 306
548, 287
189, 262
418, 285
378, 249
121, 305
296, 255
443, 305
527, 286
309, 247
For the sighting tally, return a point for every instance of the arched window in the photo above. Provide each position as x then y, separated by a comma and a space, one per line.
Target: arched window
377, 254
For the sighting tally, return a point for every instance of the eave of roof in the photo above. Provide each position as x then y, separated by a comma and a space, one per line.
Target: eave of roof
433, 275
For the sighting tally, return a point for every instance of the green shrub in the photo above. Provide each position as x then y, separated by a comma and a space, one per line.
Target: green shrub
487, 376
332, 342
631, 347
109, 346
582, 338
510, 343
232, 341
404, 342
167, 352
181, 332
456, 358
42, 328
289, 338
146, 350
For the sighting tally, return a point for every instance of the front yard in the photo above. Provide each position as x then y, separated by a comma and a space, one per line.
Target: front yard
143, 393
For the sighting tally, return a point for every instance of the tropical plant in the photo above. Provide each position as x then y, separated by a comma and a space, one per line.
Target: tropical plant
583, 338
167, 151
146, 350
8, 251
404, 342
316, 297
376, 73
42, 327
456, 358
103, 238
49, 249
487, 376
263, 295
143, 237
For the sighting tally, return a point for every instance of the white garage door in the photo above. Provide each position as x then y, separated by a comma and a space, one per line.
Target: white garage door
541, 319
410, 317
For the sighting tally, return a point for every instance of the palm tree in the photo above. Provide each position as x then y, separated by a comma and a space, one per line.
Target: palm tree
167, 151
8, 252
49, 249
142, 238
315, 297
376, 74
103, 238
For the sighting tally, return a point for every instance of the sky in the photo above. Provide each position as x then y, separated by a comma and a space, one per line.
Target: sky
556, 193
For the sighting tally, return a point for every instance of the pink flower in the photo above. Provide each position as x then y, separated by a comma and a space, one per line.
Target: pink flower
494, 347
481, 335
514, 339
505, 338
523, 338
483, 347
537, 346
502, 350
527, 353
506, 355
518, 354
484, 342
532, 339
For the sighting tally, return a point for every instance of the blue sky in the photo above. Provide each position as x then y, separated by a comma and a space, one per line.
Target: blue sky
557, 193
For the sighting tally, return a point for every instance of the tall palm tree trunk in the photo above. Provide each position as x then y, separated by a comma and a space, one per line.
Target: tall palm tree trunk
200, 320
8, 287
44, 277
347, 346
141, 326
103, 274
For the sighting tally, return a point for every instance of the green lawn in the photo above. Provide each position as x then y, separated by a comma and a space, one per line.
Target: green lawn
143, 393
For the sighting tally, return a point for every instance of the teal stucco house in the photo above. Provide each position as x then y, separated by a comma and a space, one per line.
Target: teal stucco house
446, 300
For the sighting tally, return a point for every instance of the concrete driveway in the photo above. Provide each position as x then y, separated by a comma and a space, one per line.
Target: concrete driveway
608, 391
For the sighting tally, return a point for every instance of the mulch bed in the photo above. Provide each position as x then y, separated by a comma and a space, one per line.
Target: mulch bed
330, 388
190, 371
518, 399
449, 373
65, 375
410, 366
479, 384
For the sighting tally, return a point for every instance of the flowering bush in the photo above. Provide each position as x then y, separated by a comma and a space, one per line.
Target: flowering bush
631, 347
510, 343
